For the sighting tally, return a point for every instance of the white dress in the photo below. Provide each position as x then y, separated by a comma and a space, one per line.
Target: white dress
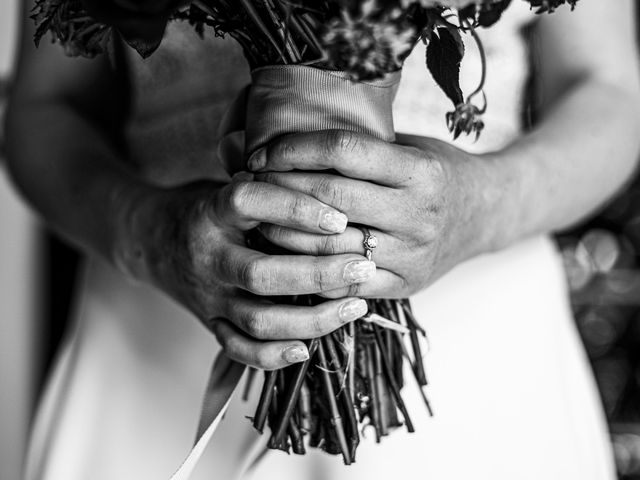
509, 381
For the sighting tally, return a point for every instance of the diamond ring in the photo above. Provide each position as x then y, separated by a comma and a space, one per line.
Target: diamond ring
369, 243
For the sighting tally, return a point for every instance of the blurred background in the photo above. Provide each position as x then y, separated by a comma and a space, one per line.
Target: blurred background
602, 258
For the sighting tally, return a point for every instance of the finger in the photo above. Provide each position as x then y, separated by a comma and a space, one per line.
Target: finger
245, 204
267, 321
231, 151
352, 154
266, 275
349, 241
263, 355
362, 202
385, 284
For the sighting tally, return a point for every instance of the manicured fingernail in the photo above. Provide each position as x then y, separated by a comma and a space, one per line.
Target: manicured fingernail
295, 354
258, 159
352, 310
359, 271
333, 221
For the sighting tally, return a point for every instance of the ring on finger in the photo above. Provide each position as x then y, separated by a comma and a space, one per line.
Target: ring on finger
370, 242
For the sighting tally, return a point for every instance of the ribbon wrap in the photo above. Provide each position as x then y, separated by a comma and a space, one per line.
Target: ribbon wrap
287, 99
294, 98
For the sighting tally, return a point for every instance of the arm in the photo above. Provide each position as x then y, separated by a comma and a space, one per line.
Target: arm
587, 143
434, 205
62, 140
66, 155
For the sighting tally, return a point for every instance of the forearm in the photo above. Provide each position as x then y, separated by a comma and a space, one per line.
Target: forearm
577, 158
71, 172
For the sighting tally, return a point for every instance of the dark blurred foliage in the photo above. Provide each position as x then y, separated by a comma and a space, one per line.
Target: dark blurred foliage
602, 259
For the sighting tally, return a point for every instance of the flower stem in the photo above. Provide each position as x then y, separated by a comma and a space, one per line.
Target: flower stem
336, 418
483, 60
266, 396
257, 20
345, 394
395, 390
292, 394
374, 405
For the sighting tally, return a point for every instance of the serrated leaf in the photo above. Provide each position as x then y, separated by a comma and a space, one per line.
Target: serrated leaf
69, 25
444, 55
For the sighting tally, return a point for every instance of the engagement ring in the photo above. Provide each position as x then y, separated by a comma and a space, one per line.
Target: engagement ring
369, 243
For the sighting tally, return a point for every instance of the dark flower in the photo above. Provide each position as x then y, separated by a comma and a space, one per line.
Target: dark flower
366, 46
140, 22
550, 5
466, 118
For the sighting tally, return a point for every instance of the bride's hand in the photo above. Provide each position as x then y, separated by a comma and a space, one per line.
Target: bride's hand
421, 200
189, 242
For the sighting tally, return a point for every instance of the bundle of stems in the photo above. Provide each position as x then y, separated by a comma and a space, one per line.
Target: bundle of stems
354, 375
352, 380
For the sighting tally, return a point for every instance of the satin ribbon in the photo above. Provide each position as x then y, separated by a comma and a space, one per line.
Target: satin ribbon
281, 100
223, 380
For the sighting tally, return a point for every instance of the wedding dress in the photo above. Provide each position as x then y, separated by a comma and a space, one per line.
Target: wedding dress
509, 382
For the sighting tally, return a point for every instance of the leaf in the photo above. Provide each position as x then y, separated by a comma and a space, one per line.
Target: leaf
444, 55
68, 24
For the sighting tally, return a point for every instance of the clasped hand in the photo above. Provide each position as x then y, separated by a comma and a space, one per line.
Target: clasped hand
190, 241
415, 198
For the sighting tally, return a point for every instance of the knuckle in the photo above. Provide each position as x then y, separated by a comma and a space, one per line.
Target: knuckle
317, 325
240, 195
410, 170
436, 175
254, 278
320, 277
232, 346
354, 290
325, 189
282, 149
264, 360
257, 325
298, 209
329, 245
340, 142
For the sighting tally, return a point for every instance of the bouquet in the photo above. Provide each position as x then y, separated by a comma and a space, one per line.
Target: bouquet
349, 49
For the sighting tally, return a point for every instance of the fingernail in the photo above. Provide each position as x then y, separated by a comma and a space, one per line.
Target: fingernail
333, 221
359, 271
352, 310
295, 354
258, 159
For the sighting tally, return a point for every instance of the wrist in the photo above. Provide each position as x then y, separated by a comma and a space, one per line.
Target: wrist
484, 218
498, 200
132, 207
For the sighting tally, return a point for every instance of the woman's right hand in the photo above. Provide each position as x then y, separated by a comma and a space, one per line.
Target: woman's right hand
189, 242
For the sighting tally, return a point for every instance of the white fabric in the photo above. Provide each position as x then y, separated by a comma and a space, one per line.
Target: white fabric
509, 382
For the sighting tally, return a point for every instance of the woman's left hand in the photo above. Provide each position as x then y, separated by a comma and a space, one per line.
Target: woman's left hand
424, 201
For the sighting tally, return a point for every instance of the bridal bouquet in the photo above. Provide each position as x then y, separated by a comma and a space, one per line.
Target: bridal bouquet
316, 65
